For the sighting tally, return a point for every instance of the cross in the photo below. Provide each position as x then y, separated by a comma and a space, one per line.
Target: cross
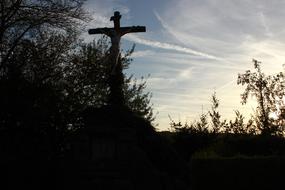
116, 80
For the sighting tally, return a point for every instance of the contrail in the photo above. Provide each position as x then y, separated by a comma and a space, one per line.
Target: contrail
102, 20
226, 85
168, 46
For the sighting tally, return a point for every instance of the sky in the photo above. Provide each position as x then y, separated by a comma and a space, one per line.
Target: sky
193, 48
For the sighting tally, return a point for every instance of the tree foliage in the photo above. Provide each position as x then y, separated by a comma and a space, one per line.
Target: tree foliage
35, 38
87, 78
215, 126
239, 126
268, 92
48, 76
23, 20
215, 116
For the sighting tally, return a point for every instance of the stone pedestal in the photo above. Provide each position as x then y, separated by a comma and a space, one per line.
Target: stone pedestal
105, 153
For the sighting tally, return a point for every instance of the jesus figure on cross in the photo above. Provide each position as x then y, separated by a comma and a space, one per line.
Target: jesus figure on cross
116, 80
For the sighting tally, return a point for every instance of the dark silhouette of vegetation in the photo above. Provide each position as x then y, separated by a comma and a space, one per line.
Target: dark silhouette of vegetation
237, 154
48, 77
268, 94
56, 119
211, 136
87, 78
36, 37
237, 173
217, 124
54, 96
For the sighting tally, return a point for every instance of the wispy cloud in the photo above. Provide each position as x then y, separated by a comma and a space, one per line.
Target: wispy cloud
265, 25
142, 53
168, 46
235, 31
200, 46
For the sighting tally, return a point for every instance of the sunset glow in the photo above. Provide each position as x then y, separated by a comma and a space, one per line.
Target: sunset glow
194, 48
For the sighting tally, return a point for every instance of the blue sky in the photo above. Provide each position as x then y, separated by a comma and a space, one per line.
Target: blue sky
193, 48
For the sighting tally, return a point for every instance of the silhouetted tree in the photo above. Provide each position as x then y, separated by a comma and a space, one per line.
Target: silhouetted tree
35, 37
23, 20
261, 87
40, 49
87, 78
202, 125
35, 40
239, 126
215, 116
199, 126
137, 99
278, 108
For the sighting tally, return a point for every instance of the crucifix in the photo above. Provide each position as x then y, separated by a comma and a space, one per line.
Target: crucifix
116, 79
